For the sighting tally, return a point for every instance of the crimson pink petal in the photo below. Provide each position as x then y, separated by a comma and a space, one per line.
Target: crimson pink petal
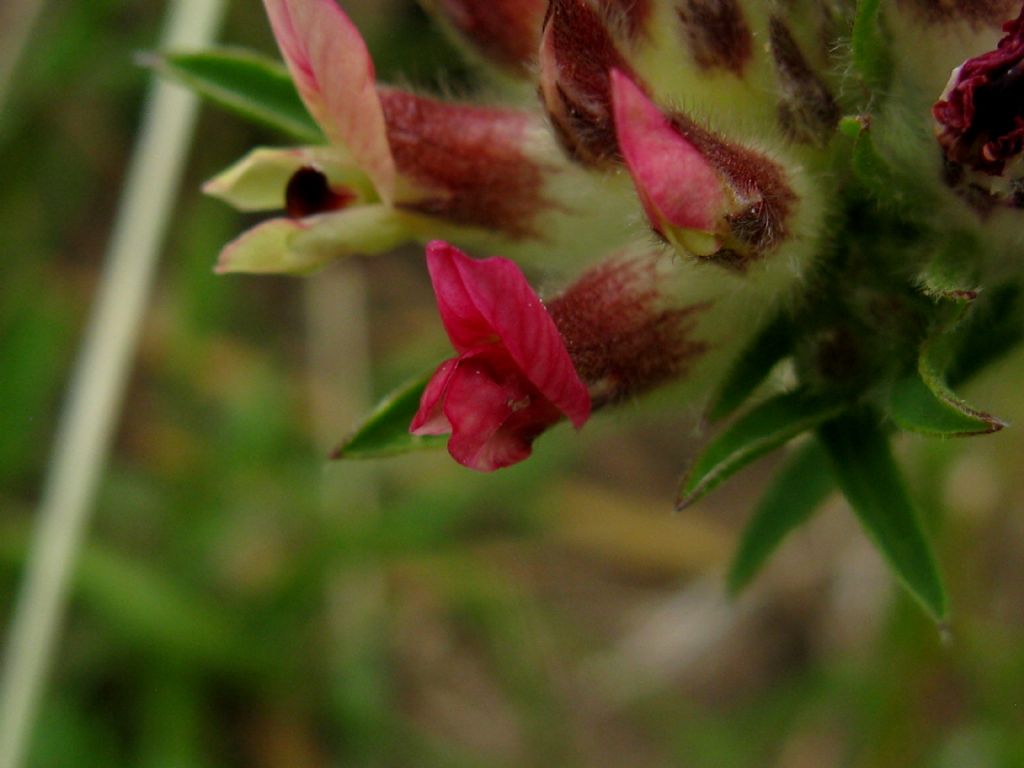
465, 325
334, 74
477, 406
678, 187
430, 418
491, 298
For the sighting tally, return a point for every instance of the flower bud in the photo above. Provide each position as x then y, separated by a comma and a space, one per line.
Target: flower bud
577, 54
680, 190
707, 196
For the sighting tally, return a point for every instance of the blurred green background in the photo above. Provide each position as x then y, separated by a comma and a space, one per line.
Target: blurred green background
242, 602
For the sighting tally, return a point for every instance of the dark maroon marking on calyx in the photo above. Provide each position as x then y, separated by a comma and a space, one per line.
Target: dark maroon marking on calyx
577, 94
621, 340
717, 33
469, 159
807, 111
309, 193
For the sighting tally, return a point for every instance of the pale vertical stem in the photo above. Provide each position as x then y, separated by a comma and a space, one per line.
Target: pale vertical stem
17, 20
337, 317
97, 389
337, 337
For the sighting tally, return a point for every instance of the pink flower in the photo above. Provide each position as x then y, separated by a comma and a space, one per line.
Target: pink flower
513, 377
397, 167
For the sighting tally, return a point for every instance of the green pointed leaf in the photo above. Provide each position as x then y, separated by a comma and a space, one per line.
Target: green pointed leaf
385, 432
800, 487
766, 427
869, 478
752, 367
253, 86
871, 56
923, 402
916, 407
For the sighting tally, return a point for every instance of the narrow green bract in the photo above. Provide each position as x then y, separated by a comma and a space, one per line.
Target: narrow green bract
869, 478
385, 432
768, 426
798, 489
254, 86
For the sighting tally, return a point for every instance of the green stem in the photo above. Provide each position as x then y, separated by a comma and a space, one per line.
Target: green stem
98, 386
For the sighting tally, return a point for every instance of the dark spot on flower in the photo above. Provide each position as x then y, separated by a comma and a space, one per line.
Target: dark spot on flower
717, 34
469, 161
807, 111
309, 193
621, 341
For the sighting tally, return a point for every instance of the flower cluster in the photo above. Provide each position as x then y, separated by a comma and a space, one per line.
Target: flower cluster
775, 208
693, 170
